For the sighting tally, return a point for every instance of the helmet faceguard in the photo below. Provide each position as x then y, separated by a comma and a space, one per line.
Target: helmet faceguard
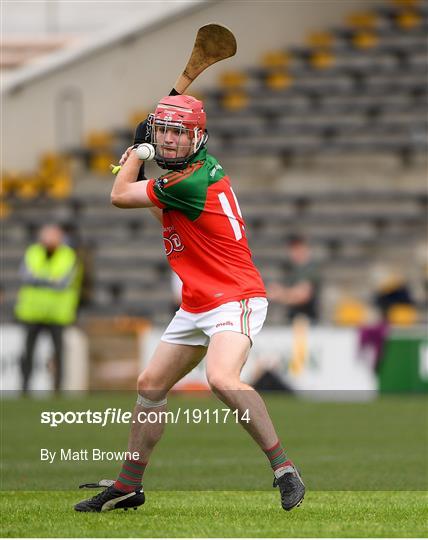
181, 120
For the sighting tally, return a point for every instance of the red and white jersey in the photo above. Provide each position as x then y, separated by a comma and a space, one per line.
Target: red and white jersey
204, 235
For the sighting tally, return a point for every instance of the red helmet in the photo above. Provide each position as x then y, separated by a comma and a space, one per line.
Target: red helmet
186, 114
186, 110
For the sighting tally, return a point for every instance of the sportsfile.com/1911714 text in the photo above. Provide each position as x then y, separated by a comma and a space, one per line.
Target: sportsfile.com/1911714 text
112, 415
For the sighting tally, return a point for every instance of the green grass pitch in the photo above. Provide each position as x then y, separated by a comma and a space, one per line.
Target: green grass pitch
364, 464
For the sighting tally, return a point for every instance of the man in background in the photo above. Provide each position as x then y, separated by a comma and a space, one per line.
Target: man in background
48, 298
300, 293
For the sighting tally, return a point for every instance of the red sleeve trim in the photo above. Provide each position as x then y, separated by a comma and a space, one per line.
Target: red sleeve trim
152, 195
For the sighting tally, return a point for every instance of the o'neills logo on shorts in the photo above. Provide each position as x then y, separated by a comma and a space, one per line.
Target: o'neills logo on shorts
227, 323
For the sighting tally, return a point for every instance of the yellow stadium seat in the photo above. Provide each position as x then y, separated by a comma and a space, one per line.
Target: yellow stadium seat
60, 186
407, 20
402, 315
235, 101
276, 59
278, 80
54, 176
100, 162
233, 79
99, 139
50, 162
28, 187
365, 40
364, 19
8, 183
350, 312
322, 60
320, 40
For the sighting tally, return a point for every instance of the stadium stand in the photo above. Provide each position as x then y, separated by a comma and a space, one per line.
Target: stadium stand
130, 273
359, 90
362, 87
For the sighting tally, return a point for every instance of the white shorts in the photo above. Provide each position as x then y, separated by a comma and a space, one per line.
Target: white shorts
244, 316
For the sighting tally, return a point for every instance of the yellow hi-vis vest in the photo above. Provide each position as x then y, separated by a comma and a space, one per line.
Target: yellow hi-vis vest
54, 299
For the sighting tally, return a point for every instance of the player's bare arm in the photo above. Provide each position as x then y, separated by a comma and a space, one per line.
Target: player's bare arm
126, 191
157, 212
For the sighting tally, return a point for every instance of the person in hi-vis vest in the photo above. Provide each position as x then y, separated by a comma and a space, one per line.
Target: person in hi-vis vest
49, 296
